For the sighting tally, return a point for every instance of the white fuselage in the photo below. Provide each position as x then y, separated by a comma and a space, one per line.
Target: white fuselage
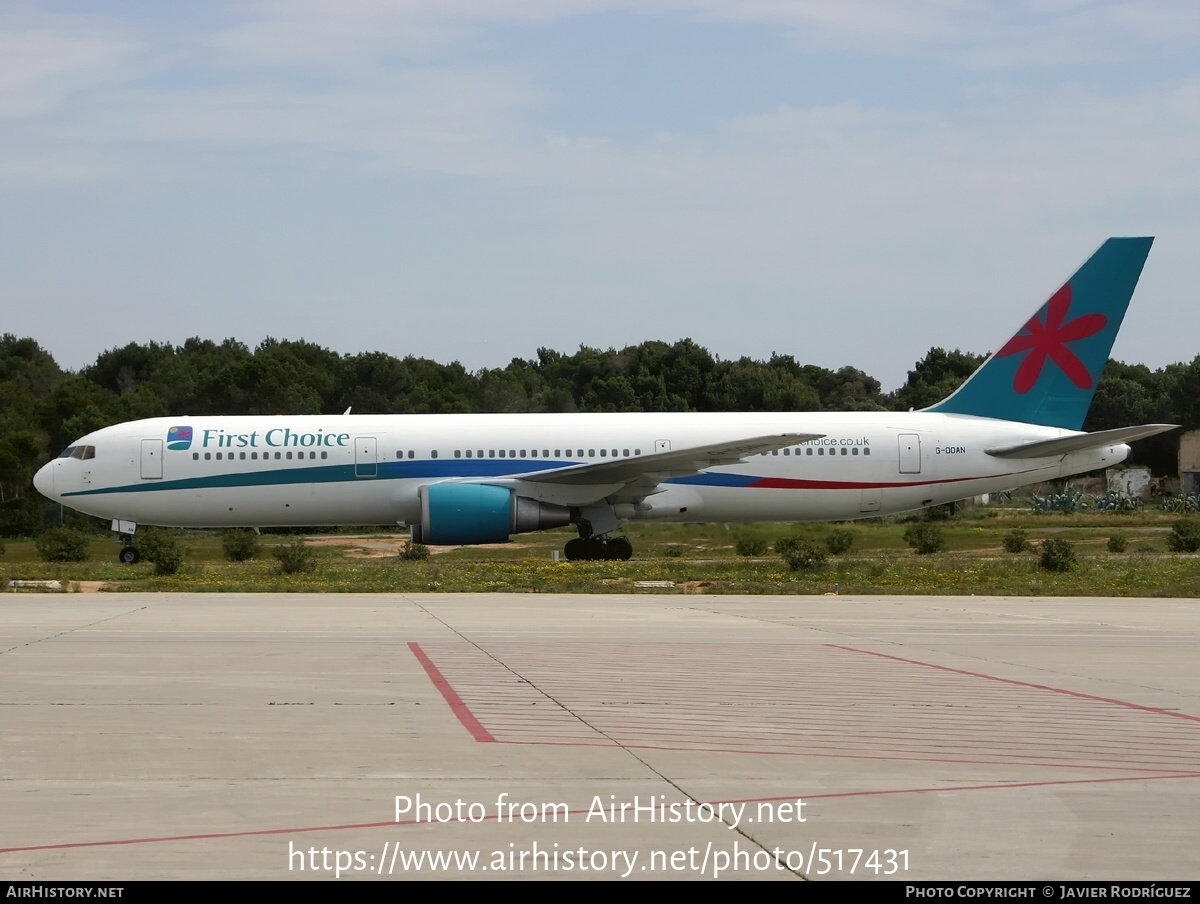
362, 469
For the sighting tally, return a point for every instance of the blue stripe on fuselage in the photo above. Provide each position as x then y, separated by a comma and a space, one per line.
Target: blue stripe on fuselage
385, 470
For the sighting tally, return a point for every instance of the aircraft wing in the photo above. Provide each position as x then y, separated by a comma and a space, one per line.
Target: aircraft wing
1044, 448
661, 465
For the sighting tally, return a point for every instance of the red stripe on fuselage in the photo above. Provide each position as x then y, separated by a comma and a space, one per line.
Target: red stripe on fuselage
790, 483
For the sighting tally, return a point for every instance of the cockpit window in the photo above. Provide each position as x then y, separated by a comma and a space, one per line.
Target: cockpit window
67, 452
83, 453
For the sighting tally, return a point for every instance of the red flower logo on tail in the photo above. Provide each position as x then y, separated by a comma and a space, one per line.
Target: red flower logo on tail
1049, 340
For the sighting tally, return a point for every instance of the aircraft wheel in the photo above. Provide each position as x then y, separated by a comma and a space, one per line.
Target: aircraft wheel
575, 550
620, 548
129, 555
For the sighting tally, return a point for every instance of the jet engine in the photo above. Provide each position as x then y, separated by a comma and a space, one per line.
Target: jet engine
464, 513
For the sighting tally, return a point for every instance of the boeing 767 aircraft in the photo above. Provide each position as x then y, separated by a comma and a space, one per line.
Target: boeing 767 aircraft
480, 478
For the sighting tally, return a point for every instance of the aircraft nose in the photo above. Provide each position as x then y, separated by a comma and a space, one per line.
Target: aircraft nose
43, 480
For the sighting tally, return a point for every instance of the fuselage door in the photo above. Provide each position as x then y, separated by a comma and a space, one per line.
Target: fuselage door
910, 453
366, 463
152, 452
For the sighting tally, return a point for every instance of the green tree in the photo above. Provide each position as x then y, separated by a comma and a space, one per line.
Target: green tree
934, 378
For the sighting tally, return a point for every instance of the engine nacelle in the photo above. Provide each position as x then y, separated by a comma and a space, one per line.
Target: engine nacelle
454, 514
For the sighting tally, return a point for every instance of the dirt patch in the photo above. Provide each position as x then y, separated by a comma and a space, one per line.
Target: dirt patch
86, 586
384, 546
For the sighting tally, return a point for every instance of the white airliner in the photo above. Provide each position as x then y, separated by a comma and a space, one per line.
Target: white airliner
480, 478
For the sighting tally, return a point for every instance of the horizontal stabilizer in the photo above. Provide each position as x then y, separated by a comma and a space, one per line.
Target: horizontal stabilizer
674, 463
1045, 448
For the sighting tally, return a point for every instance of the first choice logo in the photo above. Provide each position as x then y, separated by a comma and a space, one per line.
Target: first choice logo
179, 438
276, 437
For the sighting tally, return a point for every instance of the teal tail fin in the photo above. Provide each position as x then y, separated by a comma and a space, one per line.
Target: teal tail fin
1047, 373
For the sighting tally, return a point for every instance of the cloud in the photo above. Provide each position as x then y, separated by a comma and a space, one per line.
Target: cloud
49, 58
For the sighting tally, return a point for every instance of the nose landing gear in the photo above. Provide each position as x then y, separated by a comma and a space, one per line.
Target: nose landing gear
129, 554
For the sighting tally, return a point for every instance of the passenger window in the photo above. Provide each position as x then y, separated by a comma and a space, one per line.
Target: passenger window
324, 454
195, 456
854, 451
433, 454
501, 453
207, 456
866, 451
468, 453
808, 451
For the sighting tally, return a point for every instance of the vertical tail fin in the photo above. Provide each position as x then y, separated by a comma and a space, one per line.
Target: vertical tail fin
1047, 373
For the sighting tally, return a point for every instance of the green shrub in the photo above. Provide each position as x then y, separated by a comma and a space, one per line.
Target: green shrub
805, 556
839, 541
1016, 541
168, 557
295, 557
924, 538
673, 552
241, 544
160, 546
62, 544
749, 546
1184, 536
415, 552
150, 541
1057, 555
1117, 543
784, 545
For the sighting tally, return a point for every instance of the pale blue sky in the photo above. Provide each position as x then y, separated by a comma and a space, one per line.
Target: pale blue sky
845, 181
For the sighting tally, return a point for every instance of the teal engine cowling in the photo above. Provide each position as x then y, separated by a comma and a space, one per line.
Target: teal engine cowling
454, 514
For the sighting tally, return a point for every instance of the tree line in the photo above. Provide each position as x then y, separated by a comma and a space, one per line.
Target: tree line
43, 407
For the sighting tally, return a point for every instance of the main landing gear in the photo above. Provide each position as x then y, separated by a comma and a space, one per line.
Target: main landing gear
596, 547
594, 543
